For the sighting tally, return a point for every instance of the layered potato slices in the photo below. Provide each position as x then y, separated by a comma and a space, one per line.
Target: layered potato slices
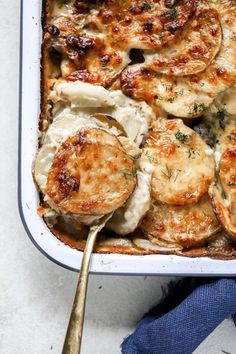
87, 166
138, 120
183, 169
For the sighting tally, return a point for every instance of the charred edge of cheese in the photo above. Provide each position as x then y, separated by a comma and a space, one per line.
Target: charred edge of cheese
193, 51
189, 96
126, 219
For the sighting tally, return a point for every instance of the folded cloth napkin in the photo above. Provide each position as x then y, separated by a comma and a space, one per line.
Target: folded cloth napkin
192, 309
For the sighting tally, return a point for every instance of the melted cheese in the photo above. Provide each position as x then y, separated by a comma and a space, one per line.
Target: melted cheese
183, 165
186, 226
189, 96
126, 219
193, 51
133, 116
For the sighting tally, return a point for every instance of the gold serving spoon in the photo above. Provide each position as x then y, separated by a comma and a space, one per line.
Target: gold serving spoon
72, 343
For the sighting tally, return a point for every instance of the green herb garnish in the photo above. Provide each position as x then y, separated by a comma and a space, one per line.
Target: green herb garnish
168, 172
145, 6
136, 156
181, 136
173, 13
230, 184
222, 112
128, 173
199, 107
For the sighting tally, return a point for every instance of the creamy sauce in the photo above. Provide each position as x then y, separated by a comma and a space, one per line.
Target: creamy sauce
126, 219
132, 115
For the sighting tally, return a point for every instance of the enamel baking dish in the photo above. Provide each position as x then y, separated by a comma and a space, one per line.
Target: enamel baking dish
35, 227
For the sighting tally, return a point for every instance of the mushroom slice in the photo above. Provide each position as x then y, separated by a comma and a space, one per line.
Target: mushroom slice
183, 164
186, 226
193, 51
223, 191
89, 176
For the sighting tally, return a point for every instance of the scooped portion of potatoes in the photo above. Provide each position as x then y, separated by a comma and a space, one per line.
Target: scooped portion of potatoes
91, 174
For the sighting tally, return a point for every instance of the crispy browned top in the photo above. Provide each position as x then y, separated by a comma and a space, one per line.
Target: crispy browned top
177, 55
183, 164
89, 176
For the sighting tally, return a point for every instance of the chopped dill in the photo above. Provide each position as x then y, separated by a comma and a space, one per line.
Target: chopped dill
136, 156
181, 136
199, 107
221, 113
168, 172
146, 6
173, 13
230, 184
128, 173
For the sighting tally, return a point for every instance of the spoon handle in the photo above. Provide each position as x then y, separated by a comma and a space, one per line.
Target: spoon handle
72, 343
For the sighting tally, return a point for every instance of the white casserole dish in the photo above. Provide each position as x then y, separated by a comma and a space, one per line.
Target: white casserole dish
35, 227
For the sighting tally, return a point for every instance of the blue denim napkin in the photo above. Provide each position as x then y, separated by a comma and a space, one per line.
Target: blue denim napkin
192, 309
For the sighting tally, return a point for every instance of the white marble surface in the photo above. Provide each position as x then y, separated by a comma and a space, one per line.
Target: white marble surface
36, 295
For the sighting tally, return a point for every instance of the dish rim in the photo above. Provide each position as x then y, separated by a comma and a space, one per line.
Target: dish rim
50, 246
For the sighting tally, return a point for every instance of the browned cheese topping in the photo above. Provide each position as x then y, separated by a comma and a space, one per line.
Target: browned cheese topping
91, 174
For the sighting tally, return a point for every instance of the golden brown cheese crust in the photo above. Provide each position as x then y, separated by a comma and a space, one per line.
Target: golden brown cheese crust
143, 24
95, 38
187, 225
91, 174
191, 52
189, 95
91, 41
183, 165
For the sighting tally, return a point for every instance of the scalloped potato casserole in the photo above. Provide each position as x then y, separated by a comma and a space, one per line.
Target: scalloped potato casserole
138, 119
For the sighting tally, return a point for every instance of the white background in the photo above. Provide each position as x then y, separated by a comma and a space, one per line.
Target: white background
35, 294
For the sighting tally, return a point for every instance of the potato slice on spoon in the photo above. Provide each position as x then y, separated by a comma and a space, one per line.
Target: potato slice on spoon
88, 175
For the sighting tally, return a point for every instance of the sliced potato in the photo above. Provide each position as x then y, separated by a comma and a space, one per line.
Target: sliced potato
183, 165
90, 175
158, 246
186, 226
143, 25
223, 191
191, 52
126, 219
189, 96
